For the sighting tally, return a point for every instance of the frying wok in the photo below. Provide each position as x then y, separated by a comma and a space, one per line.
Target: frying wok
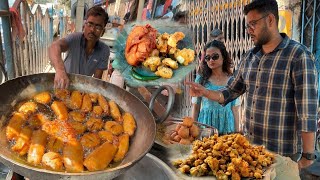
21, 88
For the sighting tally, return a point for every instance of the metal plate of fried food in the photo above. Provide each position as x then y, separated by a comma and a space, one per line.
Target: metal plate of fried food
166, 128
199, 160
120, 63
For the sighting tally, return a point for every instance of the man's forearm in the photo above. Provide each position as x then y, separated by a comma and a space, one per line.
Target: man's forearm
308, 141
55, 57
214, 96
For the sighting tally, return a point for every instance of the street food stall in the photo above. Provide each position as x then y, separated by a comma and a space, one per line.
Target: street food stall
80, 120
27, 93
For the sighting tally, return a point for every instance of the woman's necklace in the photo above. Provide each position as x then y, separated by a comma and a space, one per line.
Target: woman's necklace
217, 80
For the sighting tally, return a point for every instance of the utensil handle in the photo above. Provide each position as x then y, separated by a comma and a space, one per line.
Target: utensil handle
170, 103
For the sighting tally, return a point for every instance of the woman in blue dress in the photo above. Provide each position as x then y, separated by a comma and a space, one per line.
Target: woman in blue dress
214, 74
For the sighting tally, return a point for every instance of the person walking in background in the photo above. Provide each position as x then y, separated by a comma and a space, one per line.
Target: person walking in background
214, 74
181, 17
279, 79
86, 55
216, 34
146, 13
169, 15
159, 10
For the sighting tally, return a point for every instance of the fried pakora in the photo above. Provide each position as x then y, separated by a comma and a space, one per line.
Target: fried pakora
228, 156
152, 62
140, 43
164, 72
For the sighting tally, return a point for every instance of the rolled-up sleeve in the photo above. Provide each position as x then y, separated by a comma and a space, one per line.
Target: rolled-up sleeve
235, 86
305, 80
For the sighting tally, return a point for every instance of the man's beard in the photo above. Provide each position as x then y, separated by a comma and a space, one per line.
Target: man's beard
264, 38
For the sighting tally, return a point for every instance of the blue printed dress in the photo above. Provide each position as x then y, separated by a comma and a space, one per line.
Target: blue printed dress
212, 113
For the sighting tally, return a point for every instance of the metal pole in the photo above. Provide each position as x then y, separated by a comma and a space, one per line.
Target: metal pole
154, 7
140, 10
317, 36
117, 7
302, 23
90, 3
317, 47
79, 15
4, 5
313, 25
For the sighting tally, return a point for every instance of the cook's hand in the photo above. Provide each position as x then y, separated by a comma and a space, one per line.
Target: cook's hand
196, 89
61, 80
304, 163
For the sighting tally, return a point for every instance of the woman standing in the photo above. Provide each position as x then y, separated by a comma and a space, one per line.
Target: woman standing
214, 74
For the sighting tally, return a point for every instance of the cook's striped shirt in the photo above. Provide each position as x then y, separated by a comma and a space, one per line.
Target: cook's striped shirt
280, 95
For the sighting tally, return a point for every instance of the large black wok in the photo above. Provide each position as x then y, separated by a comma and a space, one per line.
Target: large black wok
18, 89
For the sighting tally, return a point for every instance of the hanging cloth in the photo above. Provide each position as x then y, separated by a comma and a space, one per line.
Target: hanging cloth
166, 6
16, 23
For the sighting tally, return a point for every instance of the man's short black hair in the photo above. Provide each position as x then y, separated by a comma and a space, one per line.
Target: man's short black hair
264, 7
98, 11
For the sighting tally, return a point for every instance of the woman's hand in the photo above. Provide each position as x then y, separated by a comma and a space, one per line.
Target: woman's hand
196, 90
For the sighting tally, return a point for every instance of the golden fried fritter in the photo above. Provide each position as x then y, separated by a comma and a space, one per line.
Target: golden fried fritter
114, 111
60, 110
184, 56
90, 140
60, 129
103, 103
140, 42
43, 97
15, 124
114, 127
162, 42
100, 158
52, 160
86, 104
54, 144
106, 136
37, 147
122, 148
93, 97
77, 116
152, 63
78, 127
23, 143
171, 63
164, 72
62, 94
129, 124
37, 120
73, 156
97, 111
175, 38
28, 108
75, 100
94, 124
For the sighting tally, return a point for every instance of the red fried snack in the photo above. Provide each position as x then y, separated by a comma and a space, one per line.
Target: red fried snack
140, 42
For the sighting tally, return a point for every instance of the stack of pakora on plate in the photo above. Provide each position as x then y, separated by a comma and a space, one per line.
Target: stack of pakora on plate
228, 156
157, 52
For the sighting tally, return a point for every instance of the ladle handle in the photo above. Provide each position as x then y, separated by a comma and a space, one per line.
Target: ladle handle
170, 103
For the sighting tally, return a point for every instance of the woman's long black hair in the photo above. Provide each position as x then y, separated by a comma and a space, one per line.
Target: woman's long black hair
205, 71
